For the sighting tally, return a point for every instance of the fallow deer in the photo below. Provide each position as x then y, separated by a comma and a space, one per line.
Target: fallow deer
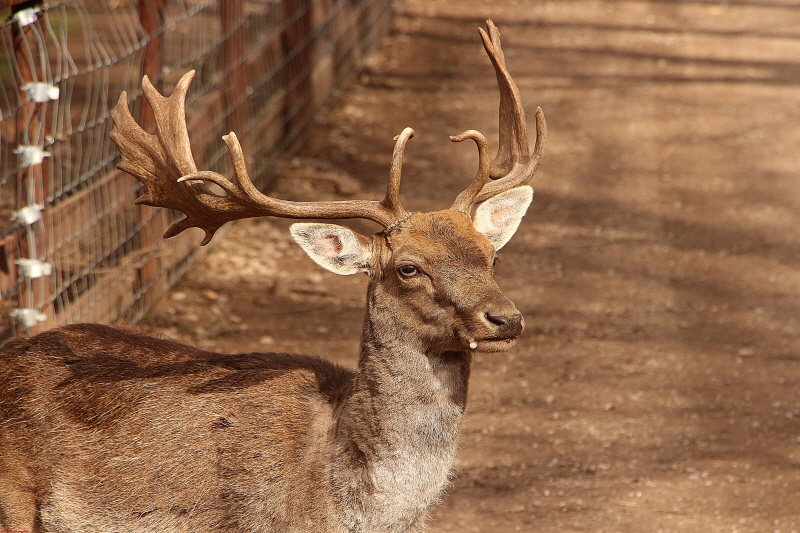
105, 429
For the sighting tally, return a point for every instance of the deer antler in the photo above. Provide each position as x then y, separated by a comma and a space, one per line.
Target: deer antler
466, 199
513, 166
164, 164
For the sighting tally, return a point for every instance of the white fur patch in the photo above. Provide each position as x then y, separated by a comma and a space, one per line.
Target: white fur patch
332, 247
498, 217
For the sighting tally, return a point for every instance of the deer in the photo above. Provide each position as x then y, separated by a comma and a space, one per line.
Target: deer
105, 428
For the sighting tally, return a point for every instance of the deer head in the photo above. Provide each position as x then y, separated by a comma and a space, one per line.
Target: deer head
431, 273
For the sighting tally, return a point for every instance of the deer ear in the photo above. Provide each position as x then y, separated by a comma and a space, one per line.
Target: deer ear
334, 248
499, 216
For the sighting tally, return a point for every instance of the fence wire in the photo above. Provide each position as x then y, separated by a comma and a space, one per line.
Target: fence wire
73, 245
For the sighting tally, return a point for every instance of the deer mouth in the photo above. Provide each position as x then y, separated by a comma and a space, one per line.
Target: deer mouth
493, 345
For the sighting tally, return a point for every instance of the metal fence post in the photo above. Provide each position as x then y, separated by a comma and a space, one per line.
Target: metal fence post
234, 63
33, 309
153, 220
297, 48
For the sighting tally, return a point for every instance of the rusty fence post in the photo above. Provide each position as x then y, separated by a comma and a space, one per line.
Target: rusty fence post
33, 310
153, 220
234, 65
151, 16
297, 52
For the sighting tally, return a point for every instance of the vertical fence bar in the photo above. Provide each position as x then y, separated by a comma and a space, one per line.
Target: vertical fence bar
297, 48
151, 16
234, 64
153, 220
34, 301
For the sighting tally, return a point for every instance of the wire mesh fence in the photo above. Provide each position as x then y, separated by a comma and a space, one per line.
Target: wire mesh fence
73, 245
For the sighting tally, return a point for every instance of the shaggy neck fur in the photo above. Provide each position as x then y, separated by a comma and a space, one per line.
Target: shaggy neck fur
401, 422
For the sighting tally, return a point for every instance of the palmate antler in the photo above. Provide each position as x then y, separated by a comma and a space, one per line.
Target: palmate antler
164, 163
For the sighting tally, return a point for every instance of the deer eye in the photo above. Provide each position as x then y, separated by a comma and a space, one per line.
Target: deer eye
407, 271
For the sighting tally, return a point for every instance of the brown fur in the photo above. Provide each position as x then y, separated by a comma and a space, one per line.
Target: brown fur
107, 429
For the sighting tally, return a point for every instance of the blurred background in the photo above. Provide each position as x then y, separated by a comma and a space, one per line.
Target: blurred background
656, 388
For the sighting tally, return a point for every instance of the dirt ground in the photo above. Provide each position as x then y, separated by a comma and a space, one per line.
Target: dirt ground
657, 386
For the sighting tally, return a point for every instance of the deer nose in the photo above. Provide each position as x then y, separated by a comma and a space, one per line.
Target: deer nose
509, 324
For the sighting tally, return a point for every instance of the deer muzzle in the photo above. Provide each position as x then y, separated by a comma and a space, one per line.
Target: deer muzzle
508, 324
500, 325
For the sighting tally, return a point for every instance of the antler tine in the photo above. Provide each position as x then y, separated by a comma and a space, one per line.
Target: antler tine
164, 164
466, 199
513, 166
392, 199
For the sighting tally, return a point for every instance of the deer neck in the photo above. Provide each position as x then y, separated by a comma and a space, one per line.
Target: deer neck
404, 415
397, 367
